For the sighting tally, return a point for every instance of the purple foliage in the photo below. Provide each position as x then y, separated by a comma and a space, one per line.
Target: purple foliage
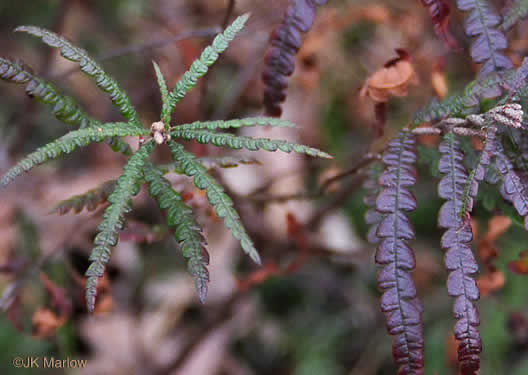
483, 24
459, 259
519, 79
399, 301
478, 174
440, 11
514, 184
285, 42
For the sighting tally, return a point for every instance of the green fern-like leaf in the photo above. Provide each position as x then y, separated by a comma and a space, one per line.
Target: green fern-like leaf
208, 57
89, 200
252, 144
68, 143
514, 14
189, 165
88, 66
468, 102
237, 123
165, 111
114, 218
478, 173
188, 232
63, 107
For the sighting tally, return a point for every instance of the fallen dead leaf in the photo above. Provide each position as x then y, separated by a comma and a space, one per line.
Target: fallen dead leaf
491, 282
497, 226
520, 266
46, 322
391, 80
439, 80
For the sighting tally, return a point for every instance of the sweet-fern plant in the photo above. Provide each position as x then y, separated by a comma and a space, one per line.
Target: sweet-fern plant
139, 170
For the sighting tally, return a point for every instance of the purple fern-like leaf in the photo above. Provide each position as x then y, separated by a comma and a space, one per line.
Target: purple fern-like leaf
440, 11
514, 184
459, 259
285, 42
482, 23
399, 302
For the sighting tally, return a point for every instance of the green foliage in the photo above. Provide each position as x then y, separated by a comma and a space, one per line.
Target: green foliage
208, 57
189, 165
516, 12
68, 143
188, 233
249, 143
165, 112
139, 170
63, 107
88, 66
467, 102
89, 200
429, 157
114, 219
237, 123
478, 173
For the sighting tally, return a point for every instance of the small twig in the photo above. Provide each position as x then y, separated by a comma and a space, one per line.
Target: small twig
11, 291
157, 43
226, 312
467, 132
229, 12
452, 122
27, 124
336, 201
354, 170
363, 162
426, 131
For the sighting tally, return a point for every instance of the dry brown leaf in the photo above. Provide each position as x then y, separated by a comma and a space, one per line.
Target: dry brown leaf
477, 143
452, 350
327, 175
428, 140
391, 80
487, 251
439, 82
14, 314
518, 328
375, 13
497, 226
105, 304
491, 282
520, 266
59, 297
46, 322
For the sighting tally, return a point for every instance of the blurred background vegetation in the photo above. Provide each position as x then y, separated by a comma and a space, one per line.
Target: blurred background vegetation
313, 307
